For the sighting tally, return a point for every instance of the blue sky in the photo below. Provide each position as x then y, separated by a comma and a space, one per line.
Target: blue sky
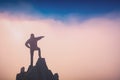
61, 8
89, 45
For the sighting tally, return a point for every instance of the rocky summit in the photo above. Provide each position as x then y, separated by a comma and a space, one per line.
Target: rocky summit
38, 72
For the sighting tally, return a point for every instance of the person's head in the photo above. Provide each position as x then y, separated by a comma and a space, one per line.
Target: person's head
32, 36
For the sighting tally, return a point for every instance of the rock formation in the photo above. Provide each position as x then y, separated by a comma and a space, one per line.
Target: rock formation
38, 72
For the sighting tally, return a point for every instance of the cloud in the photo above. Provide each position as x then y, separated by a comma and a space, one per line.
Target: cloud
75, 49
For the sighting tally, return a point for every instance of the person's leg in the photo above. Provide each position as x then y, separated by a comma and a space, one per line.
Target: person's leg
39, 52
31, 57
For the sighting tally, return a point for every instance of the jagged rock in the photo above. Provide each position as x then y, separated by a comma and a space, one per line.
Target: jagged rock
38, 72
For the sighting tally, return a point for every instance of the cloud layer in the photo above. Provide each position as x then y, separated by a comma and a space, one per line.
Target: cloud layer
75, 49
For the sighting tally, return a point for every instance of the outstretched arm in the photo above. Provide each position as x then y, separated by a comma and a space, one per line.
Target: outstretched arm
27, 44
38, 38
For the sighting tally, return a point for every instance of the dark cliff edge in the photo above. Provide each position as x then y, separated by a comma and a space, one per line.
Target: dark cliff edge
38, 72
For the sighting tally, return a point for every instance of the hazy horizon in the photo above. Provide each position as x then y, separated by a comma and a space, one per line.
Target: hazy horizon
78, 46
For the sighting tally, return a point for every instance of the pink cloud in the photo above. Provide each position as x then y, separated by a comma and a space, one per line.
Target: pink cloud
76, 50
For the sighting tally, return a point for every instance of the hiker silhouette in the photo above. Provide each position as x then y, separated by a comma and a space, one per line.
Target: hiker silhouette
32, 44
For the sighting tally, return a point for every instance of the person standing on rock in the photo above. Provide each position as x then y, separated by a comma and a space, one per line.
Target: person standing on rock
32, 44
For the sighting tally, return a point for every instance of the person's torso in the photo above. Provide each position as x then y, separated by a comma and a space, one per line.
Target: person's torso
33, 43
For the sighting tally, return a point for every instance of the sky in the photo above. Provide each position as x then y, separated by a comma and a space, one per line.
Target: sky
82, 38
